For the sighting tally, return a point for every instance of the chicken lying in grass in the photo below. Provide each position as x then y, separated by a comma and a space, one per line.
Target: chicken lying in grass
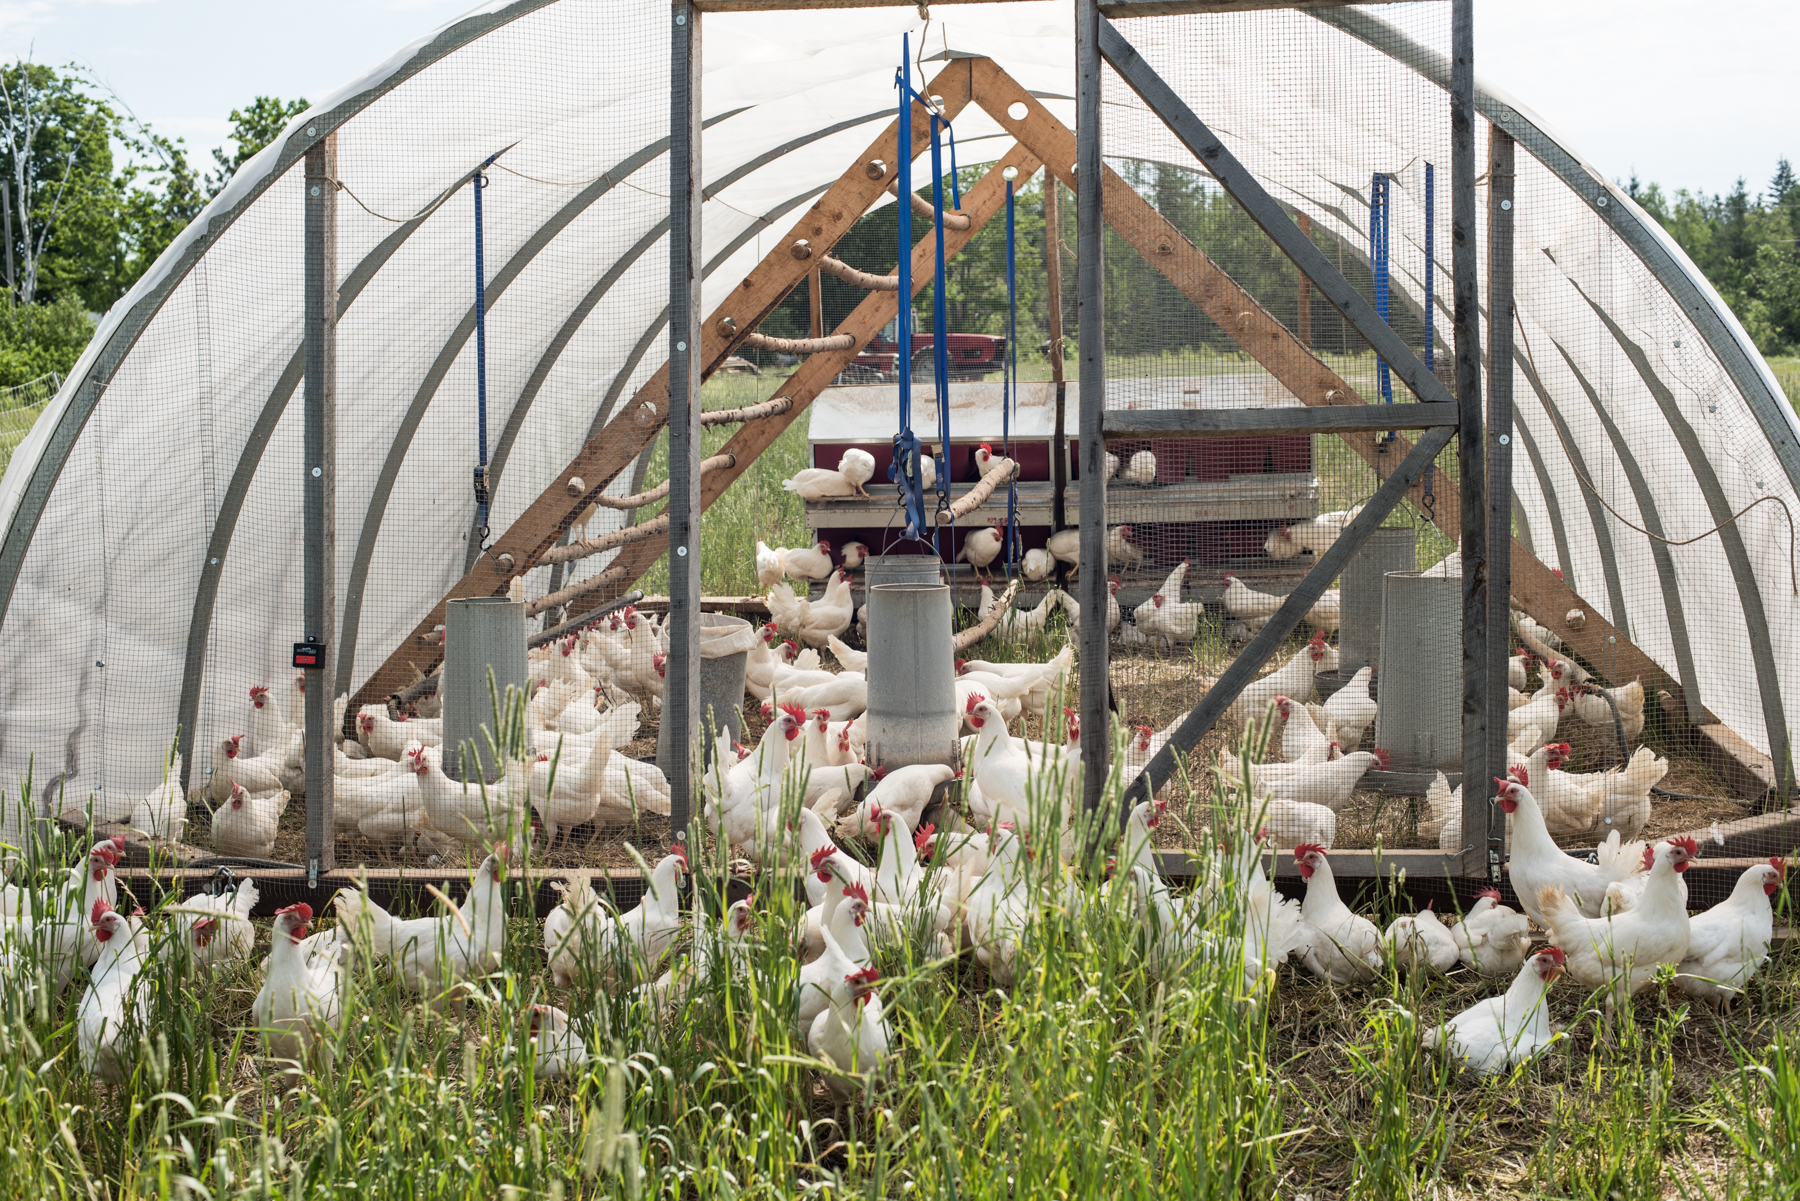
1341, 946
581, 935
439, 951
1492, 1035
1419, 943
1492, 938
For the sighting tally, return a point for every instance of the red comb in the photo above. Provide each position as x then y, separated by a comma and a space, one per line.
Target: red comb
1308, 848
300, 907
795, 712
975, 698
1556, 955
1492, 894
857, 891
100, 910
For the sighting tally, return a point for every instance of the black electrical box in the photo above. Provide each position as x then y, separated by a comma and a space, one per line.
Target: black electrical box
309, 654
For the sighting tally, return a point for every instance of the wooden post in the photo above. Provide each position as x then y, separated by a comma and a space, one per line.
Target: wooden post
1303, 313
681, 681
1477, 770
1499, 459
1090, 316
1059, 448
319, 493
815, 288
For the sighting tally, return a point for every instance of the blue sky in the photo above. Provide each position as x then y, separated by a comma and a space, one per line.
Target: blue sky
1690, 94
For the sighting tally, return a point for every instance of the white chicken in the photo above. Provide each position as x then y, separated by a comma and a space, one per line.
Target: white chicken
245, 826
814, 621
1072, 607
1728, 942
583, 936
112, 1012
1352, 709
1537, 862
1329, 784
1493, 1035
981, 546
1121, 549
259, 774
1419, 943
1169, 620
1037, 564
50, 926
1065, 547
436, 952
470, 813
1315, 535
770, 565
1623, 952
904, 791
848, 658
846, 949
1292, 679
855, 468
1492, 938
557, 1046
1341, 947
1246, 603
216, 927
1140, 469
851, 1033
1591, 707
300, 999
987, 462
812, 563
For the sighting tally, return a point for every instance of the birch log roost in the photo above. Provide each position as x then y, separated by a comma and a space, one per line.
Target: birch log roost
977, 496
985, 626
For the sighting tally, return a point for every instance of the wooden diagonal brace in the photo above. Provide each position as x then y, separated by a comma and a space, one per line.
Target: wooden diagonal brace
980, 203
638, 422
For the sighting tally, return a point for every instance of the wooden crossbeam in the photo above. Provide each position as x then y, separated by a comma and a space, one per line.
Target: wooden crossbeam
1226, 423
643, 416
980, 203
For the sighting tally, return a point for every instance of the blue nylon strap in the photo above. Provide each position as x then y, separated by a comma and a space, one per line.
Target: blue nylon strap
904, 470
1378, 269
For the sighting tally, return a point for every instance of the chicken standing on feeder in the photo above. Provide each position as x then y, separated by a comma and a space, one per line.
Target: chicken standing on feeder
854, 469
812, 563
982, 546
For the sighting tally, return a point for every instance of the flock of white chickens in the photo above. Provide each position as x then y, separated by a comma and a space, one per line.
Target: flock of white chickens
949, 879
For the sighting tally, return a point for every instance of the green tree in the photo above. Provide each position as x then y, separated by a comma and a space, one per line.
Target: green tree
56, 160
252, 128
38, 339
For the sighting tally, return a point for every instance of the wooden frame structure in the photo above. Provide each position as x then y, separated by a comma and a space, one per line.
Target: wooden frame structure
1332, 405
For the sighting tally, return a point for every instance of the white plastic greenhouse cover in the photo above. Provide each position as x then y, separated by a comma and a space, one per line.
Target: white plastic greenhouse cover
153, 514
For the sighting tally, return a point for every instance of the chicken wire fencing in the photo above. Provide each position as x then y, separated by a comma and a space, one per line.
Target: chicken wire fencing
1638, 455
172, 452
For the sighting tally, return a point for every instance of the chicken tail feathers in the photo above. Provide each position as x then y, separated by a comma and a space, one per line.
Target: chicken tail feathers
354, 908
1556, 907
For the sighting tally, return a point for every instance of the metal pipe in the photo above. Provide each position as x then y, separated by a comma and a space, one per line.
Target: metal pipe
1090, 317
681, 679
319, 496
1059, 450
1479, 856
1498, 450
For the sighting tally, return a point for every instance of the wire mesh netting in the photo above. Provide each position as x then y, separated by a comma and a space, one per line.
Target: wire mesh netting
1656, 474
1618, 415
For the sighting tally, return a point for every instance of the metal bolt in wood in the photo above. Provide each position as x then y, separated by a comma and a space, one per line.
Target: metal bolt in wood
576, 485
801, 249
